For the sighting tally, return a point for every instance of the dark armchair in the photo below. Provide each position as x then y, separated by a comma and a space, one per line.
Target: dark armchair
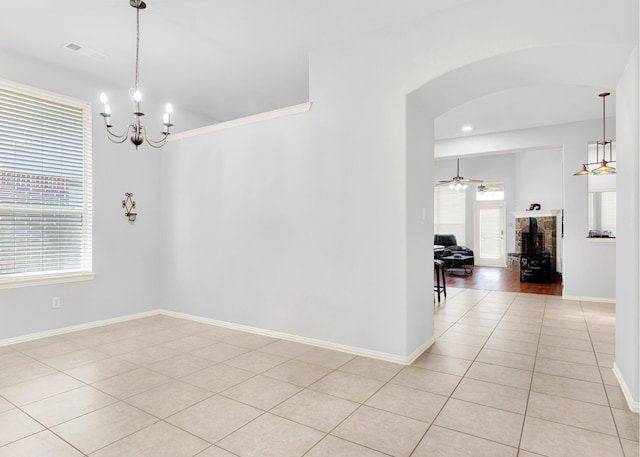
450, 248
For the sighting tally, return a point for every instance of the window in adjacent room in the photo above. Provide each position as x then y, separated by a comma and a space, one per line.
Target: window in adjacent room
602, 201
449, 212
45, 187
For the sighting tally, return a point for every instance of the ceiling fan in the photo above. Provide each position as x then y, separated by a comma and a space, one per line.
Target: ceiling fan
457, 182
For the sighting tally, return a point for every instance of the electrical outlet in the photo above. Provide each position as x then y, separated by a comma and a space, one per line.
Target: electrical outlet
55, 302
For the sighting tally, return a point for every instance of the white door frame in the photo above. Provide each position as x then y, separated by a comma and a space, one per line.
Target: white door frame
502, 261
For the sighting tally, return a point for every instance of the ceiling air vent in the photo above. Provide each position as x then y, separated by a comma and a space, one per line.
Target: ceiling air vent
85, 51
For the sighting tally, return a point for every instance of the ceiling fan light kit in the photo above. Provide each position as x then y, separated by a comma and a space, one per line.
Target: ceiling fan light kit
604, 167
458, 182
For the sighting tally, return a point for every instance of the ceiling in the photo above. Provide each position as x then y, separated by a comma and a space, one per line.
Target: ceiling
225, 59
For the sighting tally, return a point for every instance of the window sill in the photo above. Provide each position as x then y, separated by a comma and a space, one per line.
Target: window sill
601, 240
45, 280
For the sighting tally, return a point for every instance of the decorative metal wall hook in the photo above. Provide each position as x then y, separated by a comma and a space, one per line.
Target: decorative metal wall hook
128, 204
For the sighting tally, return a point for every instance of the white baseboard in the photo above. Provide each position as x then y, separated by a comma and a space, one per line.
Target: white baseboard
589, 299
404, 360
633, 404
75, 328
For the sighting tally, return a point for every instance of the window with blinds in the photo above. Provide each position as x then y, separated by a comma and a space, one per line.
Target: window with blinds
45, 186
449, 212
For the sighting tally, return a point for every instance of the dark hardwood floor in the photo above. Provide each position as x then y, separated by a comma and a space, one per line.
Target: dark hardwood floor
494, 278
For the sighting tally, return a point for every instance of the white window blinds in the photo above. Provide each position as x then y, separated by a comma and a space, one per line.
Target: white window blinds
45, 184
449, 212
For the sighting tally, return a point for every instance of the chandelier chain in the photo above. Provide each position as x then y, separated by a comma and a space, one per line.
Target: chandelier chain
137, 45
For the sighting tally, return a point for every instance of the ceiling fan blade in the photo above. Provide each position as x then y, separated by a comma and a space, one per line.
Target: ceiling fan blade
472, 180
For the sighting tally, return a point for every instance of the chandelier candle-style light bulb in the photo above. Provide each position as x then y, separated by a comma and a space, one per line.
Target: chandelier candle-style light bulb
136, 131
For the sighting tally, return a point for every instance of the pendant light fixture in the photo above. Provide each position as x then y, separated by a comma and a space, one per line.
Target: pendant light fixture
136, 131
604, 168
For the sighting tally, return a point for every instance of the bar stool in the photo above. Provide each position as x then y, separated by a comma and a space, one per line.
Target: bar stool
438, 268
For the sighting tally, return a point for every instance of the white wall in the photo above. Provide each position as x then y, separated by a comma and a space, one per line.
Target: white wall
125, 255
628, 231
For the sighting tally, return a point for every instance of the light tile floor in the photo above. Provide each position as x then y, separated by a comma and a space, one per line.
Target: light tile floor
510, 375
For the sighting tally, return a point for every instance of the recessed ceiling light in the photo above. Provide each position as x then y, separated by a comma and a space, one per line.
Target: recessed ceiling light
467, 128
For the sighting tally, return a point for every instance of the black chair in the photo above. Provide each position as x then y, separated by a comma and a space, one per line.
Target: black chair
451, 247
438, 268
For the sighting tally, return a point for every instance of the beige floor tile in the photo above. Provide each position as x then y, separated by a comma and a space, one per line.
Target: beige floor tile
74, 359
566, 322
180, 365
133, 382
496, 374
627, 423
460, 351
315, 409
54, 349
371, 368
149, 355
566, 333
326, 358
40, 342
214, 418
250, 340
579, 414
106, 426
569, 343
162, 336
297, 372
289, 349
271, 436
506, 359
215, 451
188, 343
603, 337
605, 360
630, 448
568, 369
482, 421
490, 394
605, 348
463, 338
608, 377
43, 444
520, 328
522, 453
14, 425
168, 399
102, 369
5, 405
444, 364
123, 346
478, 322
408, 402
383, 431
348, 386
567, 355
569, 388
13, 359
39, 388
471, 329
219, 352
68, 405
558, 440
616, 397
331, 446
218, 377
261, 392
256, 361
441, 442
427, 380
517, 347
23, 372
158, 440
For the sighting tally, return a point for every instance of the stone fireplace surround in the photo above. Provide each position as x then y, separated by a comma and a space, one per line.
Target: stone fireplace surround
547, 226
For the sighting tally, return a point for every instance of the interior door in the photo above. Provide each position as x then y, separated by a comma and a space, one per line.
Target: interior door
489, 246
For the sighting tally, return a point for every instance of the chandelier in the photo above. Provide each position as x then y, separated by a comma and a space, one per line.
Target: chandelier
604, 168
136, 131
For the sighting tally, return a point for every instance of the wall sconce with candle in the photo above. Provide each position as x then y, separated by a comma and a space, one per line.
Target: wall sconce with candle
128, 204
